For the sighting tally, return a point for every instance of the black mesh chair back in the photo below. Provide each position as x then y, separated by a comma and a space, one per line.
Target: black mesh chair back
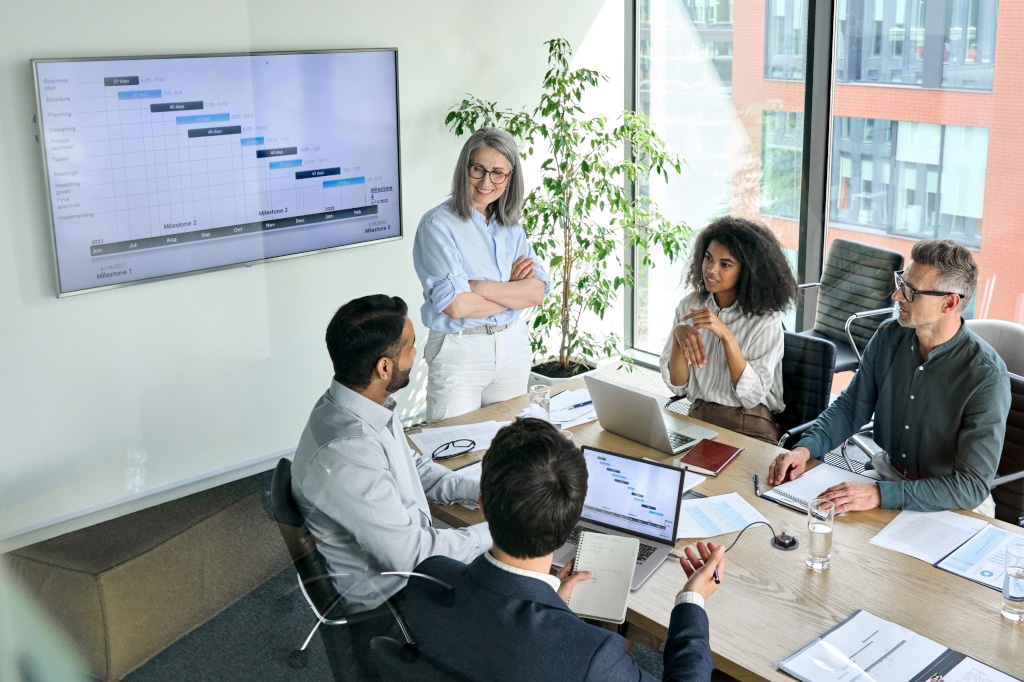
857, 278
399, 662
314, 577
807, 367
1009, 495
309, 563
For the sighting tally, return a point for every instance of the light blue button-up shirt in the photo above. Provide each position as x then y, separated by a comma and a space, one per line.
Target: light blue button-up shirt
449, 252
364, 495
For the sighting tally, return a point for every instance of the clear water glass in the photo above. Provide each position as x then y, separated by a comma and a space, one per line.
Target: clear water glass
540, 402
821, 516
1013, 584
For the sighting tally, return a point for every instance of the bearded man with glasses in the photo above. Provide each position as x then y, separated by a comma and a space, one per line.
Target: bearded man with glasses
938, 393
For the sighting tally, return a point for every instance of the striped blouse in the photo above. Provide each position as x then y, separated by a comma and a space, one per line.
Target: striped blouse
761, 342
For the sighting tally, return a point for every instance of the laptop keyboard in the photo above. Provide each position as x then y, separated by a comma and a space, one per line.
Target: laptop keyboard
678, 440
641, 556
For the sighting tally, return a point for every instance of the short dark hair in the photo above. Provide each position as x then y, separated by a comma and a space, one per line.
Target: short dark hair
766, 282
957, 270
363, 331
532, 485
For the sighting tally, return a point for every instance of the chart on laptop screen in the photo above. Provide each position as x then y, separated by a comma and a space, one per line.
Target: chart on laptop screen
631, 494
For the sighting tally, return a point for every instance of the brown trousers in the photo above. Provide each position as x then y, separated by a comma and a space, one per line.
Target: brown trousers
756, 422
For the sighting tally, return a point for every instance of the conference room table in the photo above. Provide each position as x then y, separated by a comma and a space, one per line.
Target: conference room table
770, 604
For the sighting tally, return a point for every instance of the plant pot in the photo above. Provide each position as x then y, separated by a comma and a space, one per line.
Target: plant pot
539, 377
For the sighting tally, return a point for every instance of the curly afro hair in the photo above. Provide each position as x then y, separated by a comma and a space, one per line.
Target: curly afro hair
766, 282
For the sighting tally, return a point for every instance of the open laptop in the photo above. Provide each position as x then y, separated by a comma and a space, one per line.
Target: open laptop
632, 497
638, 417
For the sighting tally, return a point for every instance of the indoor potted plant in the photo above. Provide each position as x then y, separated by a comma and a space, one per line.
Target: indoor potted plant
585, 208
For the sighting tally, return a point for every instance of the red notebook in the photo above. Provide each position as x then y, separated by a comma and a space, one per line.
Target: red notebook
708, 457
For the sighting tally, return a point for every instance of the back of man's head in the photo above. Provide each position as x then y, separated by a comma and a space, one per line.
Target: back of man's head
532, 486
957, 270
363, 331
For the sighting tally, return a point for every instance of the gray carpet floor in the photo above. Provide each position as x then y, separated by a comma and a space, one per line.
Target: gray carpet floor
257, 639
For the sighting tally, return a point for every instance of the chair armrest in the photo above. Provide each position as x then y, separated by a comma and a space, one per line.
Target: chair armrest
859, 443
1008, 478
794, 431
809, 285
857, 316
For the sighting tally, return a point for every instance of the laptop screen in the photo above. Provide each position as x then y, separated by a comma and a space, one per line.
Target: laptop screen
632, 494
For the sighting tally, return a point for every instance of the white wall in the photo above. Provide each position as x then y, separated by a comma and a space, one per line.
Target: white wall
218, 369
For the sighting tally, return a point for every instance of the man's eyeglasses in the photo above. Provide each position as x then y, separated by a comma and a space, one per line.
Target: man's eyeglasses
910, 292
454, 448
498, 177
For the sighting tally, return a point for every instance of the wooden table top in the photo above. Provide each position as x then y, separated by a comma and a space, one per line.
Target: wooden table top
770, 604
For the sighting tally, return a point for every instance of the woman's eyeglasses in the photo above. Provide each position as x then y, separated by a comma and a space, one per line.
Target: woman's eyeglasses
498, 177
453, 448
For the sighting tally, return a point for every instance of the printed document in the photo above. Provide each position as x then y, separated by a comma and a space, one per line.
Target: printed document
928, 536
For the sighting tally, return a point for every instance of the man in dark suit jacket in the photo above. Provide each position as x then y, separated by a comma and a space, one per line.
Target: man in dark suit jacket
505, 617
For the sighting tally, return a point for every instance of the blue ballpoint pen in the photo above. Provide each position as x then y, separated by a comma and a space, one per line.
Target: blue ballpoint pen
573, 407
757, 486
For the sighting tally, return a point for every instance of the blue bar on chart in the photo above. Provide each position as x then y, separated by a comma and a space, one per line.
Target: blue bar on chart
140, 94
251, 141
342, 182
202, 118
290, 163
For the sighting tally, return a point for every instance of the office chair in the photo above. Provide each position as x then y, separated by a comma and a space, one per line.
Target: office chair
1007, 338
397, 662
856, 285
314, 578
807, 369
1008, 486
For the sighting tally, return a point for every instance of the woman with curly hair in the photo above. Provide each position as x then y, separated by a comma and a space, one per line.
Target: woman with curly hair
725, 350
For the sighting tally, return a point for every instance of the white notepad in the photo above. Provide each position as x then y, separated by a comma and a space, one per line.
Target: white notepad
798, 493
611, 559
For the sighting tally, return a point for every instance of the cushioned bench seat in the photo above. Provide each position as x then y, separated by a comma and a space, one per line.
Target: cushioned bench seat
126, 589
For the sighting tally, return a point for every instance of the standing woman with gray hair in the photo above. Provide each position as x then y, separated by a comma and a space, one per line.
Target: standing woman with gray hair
478, 274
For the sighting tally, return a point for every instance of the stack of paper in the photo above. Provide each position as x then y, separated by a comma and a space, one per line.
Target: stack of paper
428, 440
569, 408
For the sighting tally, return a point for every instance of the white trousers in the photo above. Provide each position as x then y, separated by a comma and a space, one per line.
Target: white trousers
465, 373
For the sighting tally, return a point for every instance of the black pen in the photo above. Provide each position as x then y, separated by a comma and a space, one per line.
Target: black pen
714, 575
757, 486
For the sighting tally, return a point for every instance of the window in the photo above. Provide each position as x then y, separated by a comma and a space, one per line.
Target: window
738, 144
940, 179
781, 159
786, 41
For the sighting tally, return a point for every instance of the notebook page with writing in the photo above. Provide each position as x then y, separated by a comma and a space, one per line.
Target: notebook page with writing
611, 559
799, 492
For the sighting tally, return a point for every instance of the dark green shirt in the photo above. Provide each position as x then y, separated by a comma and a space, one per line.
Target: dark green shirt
942, 421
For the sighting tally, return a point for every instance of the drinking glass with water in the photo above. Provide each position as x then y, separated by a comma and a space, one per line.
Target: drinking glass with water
1013, 584
540, 402
821, 516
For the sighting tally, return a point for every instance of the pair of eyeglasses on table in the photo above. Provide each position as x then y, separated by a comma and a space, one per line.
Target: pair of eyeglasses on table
453, 448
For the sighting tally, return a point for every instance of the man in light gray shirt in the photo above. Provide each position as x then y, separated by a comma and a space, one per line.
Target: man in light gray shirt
363, 492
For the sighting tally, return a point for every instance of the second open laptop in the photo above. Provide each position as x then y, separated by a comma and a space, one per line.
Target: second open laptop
632, 497
638, 416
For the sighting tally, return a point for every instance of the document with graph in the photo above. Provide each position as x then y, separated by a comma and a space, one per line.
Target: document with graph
611, 559
866, 647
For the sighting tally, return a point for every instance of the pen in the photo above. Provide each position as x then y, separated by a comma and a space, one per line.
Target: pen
757, 486
714, 575
573, 407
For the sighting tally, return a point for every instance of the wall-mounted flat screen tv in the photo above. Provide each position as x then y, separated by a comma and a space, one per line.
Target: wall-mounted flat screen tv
164, 166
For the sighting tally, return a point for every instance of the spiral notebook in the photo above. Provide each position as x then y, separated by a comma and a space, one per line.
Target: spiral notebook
798, 493
611, 559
